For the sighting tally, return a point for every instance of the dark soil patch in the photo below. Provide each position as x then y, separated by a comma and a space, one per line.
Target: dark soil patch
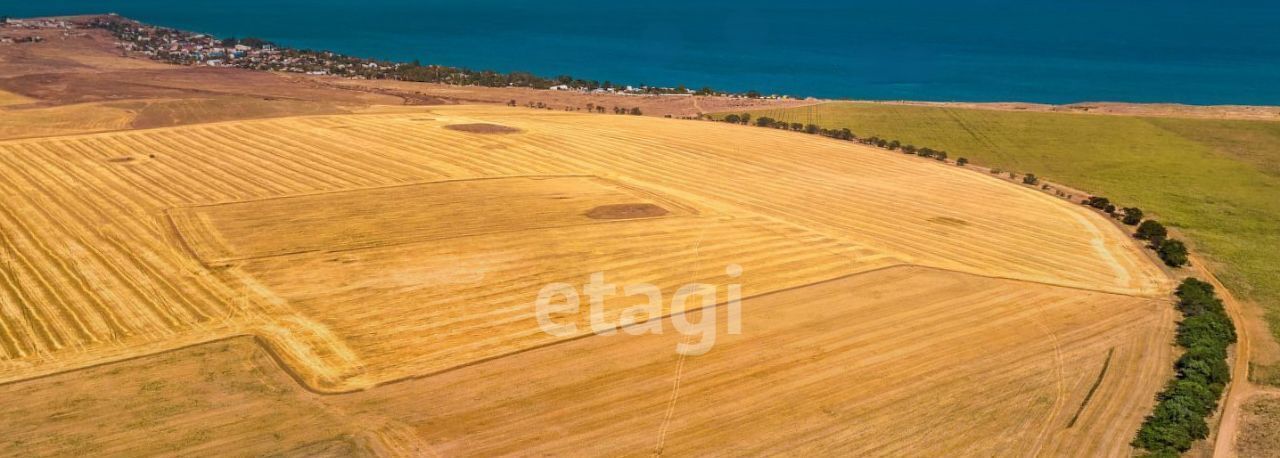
483, 128
948, 221
626, 211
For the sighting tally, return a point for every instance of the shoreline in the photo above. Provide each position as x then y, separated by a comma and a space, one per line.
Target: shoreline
1155, 109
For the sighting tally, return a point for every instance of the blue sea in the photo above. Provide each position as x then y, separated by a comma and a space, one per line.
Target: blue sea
1184, 51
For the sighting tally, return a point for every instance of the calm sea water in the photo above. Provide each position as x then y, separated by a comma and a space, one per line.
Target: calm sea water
978, 50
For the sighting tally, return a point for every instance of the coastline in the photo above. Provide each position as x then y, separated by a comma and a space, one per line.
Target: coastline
1151, 109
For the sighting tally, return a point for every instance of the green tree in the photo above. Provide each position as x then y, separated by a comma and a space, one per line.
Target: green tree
1173, 252
811, 128
1132, 216
963, 161
1151, 230
733, 119
1030, 179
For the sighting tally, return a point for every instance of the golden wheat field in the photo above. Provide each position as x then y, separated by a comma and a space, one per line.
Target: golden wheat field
353, 284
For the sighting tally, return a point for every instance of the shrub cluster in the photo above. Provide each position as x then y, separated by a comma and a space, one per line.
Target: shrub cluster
1172, 252
1202, 374
1101, 203
1132, 216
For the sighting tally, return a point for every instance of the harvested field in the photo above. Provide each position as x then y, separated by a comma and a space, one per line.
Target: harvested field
888, 361
1187, 172
195, 401
164, 113
386, 253
378, 217
471, 299
63, 120
872, 376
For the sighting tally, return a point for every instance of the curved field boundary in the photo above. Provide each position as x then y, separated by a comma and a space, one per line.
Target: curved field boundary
198, 225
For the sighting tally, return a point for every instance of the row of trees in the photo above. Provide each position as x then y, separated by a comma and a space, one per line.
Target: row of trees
1202, 374
840, 134
1205, 332
1173, 252
591, 107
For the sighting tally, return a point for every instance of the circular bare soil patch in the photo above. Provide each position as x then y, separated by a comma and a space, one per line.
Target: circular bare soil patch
483, 128
626, 211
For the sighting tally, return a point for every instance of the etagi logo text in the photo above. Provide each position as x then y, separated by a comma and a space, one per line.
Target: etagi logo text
560, 299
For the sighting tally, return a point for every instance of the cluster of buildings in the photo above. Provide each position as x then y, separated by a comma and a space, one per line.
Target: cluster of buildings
187, 48
197, 49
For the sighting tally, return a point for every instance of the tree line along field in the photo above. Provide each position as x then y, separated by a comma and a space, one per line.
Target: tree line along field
1218, 181
386, 264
